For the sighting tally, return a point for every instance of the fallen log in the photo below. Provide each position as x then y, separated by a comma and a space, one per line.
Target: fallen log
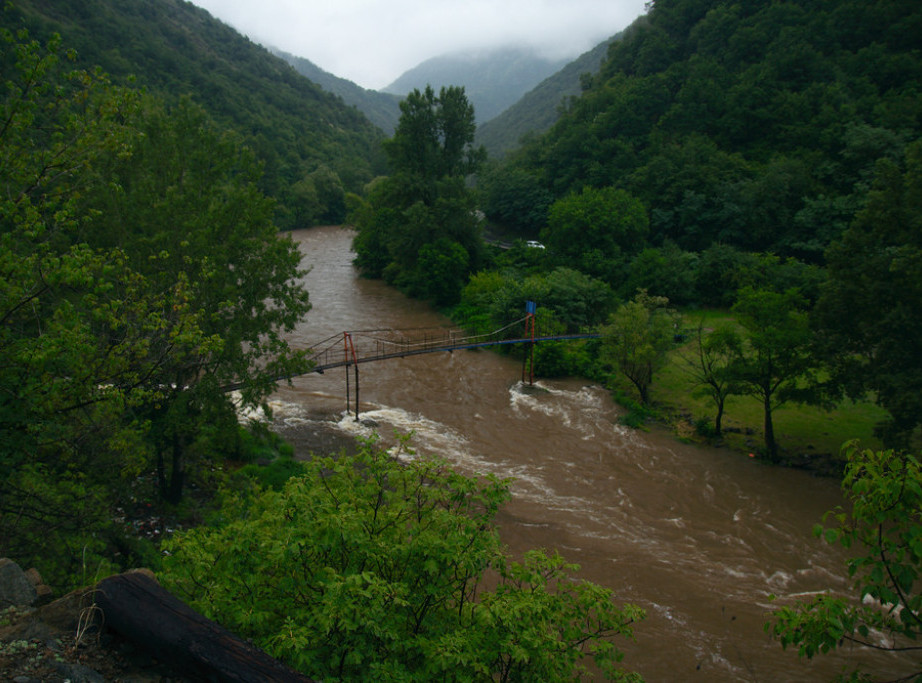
138, 608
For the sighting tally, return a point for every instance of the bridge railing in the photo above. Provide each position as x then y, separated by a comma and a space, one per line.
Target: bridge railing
381, 344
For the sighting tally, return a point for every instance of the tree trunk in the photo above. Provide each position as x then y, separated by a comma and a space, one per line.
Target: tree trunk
177, 474
137, 607
770, 444
171, 482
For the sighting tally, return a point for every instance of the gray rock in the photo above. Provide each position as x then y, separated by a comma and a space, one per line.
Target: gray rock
15, 588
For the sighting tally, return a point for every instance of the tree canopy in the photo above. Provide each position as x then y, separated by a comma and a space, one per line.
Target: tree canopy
868, 316
140, 275
418, 229
370, 566
750, 124
295, 129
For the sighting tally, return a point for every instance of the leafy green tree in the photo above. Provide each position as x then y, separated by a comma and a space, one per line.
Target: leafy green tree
776, 359
578, 301
709, 365
81, 330
720, 269
596, 231
638, 338
187, 209
494, 299
882, 529
443, 266
318, 198
426, 200
868, 316
370, 566
516, 199
664, 271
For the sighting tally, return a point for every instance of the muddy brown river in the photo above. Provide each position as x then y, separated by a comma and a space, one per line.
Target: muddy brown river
698, 537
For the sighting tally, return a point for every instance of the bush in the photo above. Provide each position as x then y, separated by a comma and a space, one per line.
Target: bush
371, 568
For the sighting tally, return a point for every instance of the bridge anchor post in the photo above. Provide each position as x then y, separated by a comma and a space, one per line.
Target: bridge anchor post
349, 349
528, 359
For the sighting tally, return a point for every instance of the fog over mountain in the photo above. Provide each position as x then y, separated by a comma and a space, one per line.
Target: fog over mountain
493, 79
371, 42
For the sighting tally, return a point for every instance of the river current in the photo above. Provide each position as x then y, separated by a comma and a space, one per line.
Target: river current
700, 538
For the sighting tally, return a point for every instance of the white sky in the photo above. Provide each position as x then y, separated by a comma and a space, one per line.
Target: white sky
373, 42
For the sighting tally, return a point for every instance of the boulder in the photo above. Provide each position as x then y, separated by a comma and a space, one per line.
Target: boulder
15, 588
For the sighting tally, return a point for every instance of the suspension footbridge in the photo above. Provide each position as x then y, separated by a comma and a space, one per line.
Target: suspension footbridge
352, 348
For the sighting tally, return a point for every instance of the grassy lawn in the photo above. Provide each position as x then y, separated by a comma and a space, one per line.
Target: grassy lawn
802, 432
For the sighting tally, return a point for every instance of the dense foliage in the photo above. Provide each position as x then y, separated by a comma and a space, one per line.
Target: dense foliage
539, 108
770, 148
883, 528
418, 228
376, 567
140, 275
868, 317
638, 339
752, 124
295, 129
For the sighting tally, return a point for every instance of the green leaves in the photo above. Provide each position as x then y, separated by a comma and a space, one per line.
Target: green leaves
884, 527
418, 229
637, 339
140, 274
609, 222
370, 566
776, 358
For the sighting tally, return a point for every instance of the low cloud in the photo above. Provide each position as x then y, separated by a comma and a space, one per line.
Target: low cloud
373, 42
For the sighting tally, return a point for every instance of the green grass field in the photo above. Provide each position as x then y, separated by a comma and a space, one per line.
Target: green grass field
802, 432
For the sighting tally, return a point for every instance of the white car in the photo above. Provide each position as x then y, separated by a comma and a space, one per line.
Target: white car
532, 244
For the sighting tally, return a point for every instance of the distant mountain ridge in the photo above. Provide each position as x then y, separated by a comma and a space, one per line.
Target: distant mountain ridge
381, 108
173, 48
539, 108
493, 79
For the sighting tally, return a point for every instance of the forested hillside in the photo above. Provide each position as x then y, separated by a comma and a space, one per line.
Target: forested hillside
751, 124
312, 145
382, 109
539, 108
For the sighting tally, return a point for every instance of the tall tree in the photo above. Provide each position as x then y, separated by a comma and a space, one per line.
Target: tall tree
187, 209
868, 316
776, 357
82, 332
414, 219
596, 231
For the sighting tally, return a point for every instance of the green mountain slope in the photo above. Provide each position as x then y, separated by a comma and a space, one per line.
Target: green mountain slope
493, 79
749, 124
382, 109
539, 108
173, 48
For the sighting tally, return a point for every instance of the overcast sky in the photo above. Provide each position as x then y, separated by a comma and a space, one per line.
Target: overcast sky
372, 42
